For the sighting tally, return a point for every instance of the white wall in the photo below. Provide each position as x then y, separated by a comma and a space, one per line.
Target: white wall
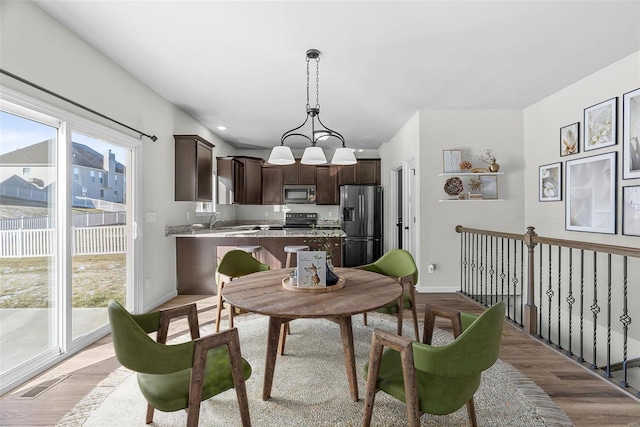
38, 48
471, 131
542, 123
404, 146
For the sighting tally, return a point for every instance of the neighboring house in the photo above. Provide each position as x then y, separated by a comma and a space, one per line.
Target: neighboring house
26, 176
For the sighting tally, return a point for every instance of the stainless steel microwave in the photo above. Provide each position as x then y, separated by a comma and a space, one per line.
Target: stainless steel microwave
299, 194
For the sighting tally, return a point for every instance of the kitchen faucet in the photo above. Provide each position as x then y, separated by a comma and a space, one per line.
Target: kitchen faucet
212, 222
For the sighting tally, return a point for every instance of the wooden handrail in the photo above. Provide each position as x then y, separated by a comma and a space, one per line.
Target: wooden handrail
587, 246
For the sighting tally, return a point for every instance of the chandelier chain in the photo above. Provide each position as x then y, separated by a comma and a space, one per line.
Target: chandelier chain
308, 83
318, 82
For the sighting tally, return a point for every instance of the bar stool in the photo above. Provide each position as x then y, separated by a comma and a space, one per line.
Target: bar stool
292, 249
253, 250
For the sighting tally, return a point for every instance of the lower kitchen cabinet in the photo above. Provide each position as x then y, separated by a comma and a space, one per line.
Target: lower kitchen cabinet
197, 257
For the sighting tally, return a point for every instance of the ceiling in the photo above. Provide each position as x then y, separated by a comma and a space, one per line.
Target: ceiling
242, 64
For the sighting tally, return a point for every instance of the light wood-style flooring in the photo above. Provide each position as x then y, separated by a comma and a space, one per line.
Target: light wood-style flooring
586, 398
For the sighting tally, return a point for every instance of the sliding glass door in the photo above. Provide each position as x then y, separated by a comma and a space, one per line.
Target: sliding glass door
66, 234
29, 267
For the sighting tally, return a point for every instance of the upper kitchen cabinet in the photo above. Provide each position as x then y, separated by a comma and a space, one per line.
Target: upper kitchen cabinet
244, 176
327, 192
365, 172
298, 173
271, 185
193, 168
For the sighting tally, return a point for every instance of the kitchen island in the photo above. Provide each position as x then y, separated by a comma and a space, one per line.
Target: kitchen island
198, 251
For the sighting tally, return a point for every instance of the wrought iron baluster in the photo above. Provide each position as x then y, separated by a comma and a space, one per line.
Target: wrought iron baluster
608, 372
514, 280
595, 309
492, 272
521, 283
626, 321
508, 312
570, 300
559, 345
502, 276
581, 358
540, 293
550, 297
483, 239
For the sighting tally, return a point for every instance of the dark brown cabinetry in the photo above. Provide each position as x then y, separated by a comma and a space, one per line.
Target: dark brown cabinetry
365, 172
298, 173
271, 185
197, 258
193, 168
244, 176
327, 190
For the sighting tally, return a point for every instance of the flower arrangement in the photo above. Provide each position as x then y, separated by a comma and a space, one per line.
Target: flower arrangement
488, 157
465, 165
323, 239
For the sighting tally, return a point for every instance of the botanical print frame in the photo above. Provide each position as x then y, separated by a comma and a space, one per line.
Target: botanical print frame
489, 186
570, 139
631, 134
550, 184
631, 210
451, 161
600, 125
590, 185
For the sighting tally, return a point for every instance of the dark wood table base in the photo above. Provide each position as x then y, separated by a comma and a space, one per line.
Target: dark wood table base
346, 334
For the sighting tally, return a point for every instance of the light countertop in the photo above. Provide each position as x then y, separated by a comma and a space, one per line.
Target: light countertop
243, 232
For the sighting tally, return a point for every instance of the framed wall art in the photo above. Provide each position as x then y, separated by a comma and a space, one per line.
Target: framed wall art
489, 186
631, 135
550, 184
570, 139
590, 185
451, 161
631, 210
600, 125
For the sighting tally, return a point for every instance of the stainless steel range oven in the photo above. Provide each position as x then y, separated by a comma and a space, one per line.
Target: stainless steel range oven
300, 219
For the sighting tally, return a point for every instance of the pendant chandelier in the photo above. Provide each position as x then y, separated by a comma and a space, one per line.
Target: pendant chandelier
313, 155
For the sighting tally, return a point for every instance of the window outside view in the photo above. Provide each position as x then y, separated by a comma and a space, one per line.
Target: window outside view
32, 285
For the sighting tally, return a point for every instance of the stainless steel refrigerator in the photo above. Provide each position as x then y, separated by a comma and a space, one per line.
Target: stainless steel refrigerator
361, 215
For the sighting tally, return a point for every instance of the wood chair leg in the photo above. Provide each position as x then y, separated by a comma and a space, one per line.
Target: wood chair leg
416, 328
219, 307
364, 318
231, 309
150, 410
283, 338
471, 411
400, 313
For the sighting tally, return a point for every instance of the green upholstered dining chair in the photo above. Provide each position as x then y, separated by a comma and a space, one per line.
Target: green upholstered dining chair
235, 263
439, 380
399, 264
179, 376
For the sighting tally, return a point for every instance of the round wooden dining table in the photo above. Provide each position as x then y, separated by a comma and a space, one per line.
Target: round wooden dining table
263, 293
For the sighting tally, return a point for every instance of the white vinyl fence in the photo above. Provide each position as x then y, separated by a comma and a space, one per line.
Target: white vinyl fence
41, 242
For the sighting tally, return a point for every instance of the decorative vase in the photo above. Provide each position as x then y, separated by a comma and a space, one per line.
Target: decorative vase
332, 278
494, 167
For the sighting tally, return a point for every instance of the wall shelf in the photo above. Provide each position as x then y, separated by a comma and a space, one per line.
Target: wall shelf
471, 200
470, 173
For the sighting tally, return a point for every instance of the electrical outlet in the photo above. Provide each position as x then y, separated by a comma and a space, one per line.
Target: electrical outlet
188, 215
266, 214
147, 283
431, 268
330, 214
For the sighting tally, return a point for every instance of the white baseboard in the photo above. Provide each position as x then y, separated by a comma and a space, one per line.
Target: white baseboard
436, 289
147, 308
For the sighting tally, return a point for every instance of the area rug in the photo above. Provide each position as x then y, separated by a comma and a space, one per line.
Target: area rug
310, 388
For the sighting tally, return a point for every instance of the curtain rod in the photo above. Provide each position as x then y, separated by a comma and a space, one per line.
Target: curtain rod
25, 81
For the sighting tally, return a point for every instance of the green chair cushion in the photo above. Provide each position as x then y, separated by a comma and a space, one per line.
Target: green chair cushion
437, 395
170, 392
